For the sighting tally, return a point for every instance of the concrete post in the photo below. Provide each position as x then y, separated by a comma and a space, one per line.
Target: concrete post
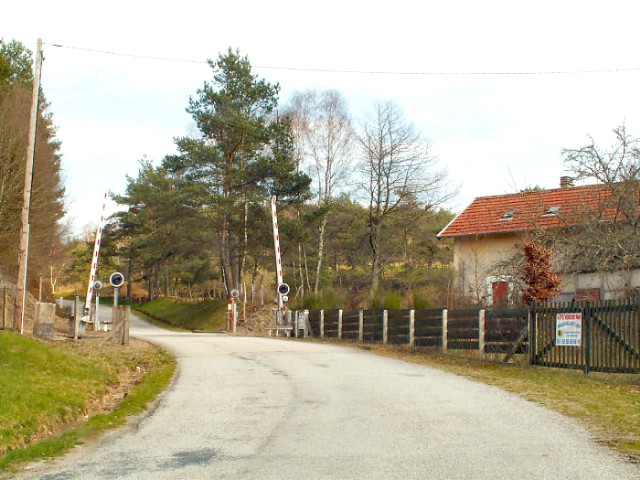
361, 325
445, 329
321, 323
481, 331
385, 326
412, 328
340, 324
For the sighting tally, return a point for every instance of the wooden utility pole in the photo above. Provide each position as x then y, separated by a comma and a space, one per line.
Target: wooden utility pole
21, 290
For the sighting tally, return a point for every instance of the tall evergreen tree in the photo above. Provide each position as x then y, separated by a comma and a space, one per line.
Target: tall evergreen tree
242, 156
47, 207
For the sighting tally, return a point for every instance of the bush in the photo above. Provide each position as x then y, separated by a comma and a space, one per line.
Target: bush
326, 299
389, 300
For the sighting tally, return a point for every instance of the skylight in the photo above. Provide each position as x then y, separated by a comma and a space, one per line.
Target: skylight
508, 215
551, 211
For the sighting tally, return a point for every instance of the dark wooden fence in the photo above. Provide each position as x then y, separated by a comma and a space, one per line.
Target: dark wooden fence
607, 337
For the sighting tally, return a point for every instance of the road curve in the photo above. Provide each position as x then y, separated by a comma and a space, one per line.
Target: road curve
259, 408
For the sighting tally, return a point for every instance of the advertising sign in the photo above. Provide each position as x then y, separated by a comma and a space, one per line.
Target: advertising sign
569, 329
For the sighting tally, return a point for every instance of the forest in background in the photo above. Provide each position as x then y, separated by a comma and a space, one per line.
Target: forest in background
359, 206
360, 203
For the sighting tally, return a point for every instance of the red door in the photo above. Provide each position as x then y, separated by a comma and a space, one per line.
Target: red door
500, 292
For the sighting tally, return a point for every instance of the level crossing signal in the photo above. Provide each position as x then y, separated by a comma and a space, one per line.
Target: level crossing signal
116, 279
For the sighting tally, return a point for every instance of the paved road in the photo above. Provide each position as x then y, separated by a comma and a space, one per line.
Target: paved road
259, 408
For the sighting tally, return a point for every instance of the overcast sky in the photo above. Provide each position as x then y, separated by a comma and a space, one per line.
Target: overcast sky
494, 133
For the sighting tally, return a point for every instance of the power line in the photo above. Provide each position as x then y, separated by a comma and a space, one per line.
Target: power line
363, 72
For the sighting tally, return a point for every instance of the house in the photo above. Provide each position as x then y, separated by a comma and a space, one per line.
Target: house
491, 229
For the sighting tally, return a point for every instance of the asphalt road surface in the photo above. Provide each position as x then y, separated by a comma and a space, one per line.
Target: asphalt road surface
260, 408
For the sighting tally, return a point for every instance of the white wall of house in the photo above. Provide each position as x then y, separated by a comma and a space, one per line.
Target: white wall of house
475, 259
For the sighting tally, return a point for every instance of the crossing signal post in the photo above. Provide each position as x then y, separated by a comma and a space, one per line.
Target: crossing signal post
97, 286
116, 280
233, 313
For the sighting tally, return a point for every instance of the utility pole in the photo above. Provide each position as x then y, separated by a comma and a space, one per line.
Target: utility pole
21, 290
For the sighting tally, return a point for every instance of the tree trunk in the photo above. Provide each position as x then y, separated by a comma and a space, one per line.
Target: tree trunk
376, 270
245, 238
129, 283
300, 272
323, 227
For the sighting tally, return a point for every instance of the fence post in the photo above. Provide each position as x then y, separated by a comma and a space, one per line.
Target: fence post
127, 325
445, 329
385, 326
361, 325
4, 306
76, 318
586, 317
321, 323
481, 329
532, 331
412, 328
339, 324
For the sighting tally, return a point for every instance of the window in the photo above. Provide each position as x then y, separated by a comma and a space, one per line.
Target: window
508, 215
551, 211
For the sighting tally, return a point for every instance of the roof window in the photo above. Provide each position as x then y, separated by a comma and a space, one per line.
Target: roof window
508, 215
551, 211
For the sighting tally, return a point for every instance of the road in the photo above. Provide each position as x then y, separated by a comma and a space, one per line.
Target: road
260, 408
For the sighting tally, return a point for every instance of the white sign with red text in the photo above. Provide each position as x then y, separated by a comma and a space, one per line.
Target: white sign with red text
569, 329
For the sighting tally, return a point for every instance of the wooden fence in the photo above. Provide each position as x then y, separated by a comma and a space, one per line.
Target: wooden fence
602, 337
489, 331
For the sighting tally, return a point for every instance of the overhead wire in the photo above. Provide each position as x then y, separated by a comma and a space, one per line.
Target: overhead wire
362, 72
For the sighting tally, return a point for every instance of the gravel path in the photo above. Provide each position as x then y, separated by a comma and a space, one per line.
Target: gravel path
262, 408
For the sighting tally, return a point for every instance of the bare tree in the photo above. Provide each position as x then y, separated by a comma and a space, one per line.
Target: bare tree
325, 134
397, 167
606, 238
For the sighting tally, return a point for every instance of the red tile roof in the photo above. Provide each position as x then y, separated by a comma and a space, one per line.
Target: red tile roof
524, 211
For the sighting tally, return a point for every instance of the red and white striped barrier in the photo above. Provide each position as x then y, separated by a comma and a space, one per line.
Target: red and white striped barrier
94, 261
276, 243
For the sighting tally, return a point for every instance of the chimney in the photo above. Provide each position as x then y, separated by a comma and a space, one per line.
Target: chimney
566, 182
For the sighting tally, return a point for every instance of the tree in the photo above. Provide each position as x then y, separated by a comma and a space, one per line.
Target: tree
242, 156
541, 282
606, 238
47, 207
325, 135
160, 235
397, 167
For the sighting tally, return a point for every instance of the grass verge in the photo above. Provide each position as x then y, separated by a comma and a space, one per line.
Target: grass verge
56, 395
205, 316
607, 405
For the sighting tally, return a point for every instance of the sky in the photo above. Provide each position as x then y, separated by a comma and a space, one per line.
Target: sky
474, 77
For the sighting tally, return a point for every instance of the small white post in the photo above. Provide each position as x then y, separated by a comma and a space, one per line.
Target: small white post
321, 323
412, 328
445, 329
481, 327
340, 323
385, 326
361, 325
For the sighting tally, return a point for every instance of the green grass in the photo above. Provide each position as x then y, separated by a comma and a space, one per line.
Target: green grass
47, 390
207, 316
607, 405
